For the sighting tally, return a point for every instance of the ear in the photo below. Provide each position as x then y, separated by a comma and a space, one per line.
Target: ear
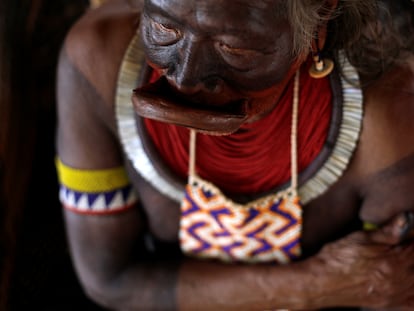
326, 13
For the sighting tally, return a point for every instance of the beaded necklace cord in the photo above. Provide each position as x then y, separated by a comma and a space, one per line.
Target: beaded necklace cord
264, 230
258, 155
328, 172
293, 141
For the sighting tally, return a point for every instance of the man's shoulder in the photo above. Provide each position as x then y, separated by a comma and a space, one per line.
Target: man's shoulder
96, 43
391, 97
388, 128
396, 83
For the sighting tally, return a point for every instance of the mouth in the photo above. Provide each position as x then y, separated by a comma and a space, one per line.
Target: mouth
158, 101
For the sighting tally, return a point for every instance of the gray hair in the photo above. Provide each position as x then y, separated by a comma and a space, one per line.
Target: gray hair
373, 33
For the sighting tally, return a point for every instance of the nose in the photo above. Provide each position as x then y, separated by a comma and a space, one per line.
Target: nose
195, 68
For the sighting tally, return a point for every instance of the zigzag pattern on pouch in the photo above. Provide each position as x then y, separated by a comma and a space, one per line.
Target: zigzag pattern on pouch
210, 228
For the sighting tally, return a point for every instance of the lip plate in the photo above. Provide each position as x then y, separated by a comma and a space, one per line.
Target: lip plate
158, 102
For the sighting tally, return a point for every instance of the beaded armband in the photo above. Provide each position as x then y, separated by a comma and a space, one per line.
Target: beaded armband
95, 192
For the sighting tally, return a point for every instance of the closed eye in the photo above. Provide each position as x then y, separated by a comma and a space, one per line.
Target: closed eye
239, 58
241, 52
163, 34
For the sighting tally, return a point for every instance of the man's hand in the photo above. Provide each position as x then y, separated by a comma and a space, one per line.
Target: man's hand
372, 269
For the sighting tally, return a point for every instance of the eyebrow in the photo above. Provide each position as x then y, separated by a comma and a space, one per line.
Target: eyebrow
155, 7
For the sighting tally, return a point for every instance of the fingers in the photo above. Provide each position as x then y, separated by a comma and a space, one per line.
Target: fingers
407, 232
398, 229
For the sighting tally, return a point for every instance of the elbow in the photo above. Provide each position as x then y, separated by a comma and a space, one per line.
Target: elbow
100, 294
103, 289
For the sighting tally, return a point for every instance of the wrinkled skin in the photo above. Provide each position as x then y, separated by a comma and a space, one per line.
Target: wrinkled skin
343, 266
385, 274
197, 46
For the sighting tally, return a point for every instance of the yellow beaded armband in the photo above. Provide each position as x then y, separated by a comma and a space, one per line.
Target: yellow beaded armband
102, 191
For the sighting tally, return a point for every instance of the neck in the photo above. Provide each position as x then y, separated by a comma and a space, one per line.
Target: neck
256, 158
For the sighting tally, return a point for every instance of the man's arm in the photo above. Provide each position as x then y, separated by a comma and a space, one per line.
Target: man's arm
104, 246
114, 268
350, 272
355, 271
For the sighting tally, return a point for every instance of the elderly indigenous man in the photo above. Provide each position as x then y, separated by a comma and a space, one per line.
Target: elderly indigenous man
232, 155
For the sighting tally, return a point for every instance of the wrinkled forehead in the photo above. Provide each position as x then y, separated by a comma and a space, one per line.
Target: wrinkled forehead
225, 14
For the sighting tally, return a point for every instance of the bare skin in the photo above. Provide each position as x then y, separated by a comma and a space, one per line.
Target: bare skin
342, 268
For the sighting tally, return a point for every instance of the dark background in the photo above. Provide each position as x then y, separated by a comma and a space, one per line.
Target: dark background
35, 268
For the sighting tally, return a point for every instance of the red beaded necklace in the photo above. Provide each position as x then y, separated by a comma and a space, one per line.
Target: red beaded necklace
257, 157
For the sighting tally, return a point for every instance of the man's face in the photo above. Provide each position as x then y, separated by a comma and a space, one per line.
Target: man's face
217, 52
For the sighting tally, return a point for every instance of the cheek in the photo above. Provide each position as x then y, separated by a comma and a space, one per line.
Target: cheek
159, 58
268, 74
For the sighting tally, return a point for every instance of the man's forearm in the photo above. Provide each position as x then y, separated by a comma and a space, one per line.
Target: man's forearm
340, 275
113, 277
201, 285
216, 286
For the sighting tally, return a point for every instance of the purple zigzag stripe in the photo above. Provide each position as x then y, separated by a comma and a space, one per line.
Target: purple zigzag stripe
252, 215
292, 221
258, 230
194, 207
216, 215
192, 231
288, 247
265, 245
222, 234
227, 249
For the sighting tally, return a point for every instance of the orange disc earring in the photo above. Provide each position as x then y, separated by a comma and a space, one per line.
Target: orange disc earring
321, 67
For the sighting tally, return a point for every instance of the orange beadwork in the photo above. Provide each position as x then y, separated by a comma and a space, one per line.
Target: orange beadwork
265, 230
214, 227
